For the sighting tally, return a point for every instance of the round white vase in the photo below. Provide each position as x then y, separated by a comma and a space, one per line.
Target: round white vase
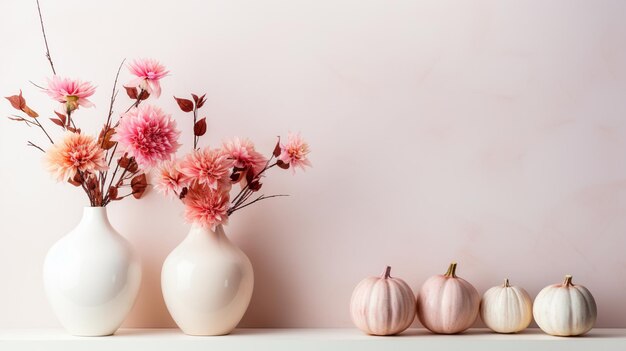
92, 276
207, 282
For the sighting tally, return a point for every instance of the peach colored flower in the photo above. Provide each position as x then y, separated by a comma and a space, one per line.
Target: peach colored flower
206, 207
242, 152
210, 167
295, 152
148, 134
76, 152
70, 92
169, 180
149, 72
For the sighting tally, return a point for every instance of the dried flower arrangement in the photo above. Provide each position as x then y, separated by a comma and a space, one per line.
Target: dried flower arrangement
147, 138
144, 134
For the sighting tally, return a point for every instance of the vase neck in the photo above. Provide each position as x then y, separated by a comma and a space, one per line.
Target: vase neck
94, 217
199, 231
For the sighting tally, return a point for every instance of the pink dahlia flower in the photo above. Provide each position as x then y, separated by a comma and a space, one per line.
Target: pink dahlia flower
71, 93
206, 207
148, 134
148, 72
244, 156
169, 180
76, 152
295, 152
210, 167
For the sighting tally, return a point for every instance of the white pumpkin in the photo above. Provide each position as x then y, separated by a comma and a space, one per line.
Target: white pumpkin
506, 308
382, 305
565, 309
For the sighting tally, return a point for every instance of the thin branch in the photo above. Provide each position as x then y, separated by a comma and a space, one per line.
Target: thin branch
30, 143
37, 85
104, 175
262, 197
113, 95
43, 30
44, 130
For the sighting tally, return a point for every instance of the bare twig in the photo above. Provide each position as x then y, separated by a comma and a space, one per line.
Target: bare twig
37, 85
43, 30
30, 143
43, 129
104, 175
262, 197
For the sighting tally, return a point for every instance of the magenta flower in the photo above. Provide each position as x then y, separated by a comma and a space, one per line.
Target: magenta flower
206, 207
294, 152
169, 181
242, 152
70, 92
210, 167
148, 72
148, 134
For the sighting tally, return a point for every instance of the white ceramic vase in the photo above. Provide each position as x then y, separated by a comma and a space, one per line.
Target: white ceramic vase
92, 276
207, 282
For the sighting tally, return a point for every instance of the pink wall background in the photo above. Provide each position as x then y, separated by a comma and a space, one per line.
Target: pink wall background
488, 132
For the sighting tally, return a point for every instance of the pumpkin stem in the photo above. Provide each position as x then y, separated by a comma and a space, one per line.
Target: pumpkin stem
387, 273
451, 273
568, 280
506, 283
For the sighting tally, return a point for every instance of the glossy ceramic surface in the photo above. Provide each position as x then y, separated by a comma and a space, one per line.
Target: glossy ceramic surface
92, 276
207, 283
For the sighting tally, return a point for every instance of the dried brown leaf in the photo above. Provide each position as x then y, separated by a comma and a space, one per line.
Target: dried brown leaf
104, 139
17, 101
282, 164
139, 185
184, 104
131, 92
199, 129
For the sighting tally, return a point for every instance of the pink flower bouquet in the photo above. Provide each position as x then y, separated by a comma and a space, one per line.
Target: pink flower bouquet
104, 166
203, 179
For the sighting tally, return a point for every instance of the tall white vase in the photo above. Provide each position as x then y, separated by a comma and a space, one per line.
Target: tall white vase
92, 276
207, 282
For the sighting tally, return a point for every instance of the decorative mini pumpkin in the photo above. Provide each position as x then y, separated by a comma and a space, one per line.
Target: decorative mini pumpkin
382, 305
506, 308
565, 309
447, 304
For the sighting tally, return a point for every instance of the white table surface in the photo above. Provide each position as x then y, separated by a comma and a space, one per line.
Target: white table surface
308, 339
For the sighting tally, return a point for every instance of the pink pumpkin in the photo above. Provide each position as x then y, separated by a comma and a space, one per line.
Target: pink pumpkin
447, 304
382, 305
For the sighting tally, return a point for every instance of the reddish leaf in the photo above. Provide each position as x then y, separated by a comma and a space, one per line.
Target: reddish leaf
249, 177
17, 101
195, 98
62, 117
201, 101
184, 104
139, 185
277, 149
58, 122
235, 176
128, 163
200, 127
144, 95
113, 193
91, 183
104, 139
73, 130
255, 186
27, 110
77, 180
131, 92
183, 193
282, 164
